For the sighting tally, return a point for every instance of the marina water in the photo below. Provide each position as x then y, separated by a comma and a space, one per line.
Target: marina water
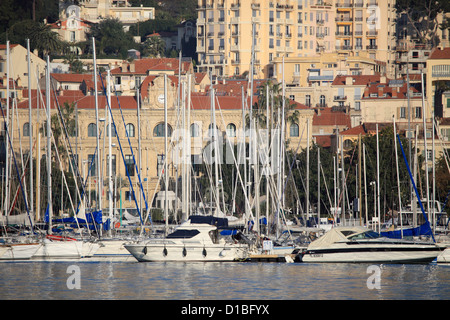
88, 280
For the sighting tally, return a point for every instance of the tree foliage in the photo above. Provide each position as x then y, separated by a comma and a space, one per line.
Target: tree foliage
422, 16
110, 38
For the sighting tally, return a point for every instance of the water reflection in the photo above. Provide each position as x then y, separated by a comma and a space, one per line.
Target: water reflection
221, 281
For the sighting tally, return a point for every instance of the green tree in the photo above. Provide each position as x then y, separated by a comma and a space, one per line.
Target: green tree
46, 41
110, 38
422, 16
154, 47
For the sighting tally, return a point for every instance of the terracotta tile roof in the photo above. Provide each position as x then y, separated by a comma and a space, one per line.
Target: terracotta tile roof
437, 53
327, 117
72, 77
354, 131
360, 80
84, 102
142, 66
323, 141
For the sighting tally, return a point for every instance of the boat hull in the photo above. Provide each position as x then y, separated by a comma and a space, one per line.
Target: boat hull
112, 250
186, 253
370, 253
18, 251
59, 250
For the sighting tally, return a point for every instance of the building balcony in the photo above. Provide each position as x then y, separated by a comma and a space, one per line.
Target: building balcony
343, 19
372, 47
343, 34
340, 98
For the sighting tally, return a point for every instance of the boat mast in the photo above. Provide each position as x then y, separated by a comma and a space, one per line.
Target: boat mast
30, 130
6, 203
49, 148
97, 160
109, 133
425, 145
166, 180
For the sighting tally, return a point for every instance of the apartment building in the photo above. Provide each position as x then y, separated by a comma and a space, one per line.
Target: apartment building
229, 31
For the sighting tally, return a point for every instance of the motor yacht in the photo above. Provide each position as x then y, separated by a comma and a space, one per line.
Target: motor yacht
362, 245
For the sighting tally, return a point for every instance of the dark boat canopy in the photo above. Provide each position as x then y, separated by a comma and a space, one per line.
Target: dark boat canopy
214, 221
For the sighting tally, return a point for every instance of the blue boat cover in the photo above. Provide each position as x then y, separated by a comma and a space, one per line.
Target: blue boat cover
422, 230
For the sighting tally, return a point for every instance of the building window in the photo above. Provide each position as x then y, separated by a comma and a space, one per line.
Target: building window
130, 130
322, 101
402, 112
92, 130
418, 112
231, 130
308, 100
294, 132
113, 165
159, 130
26, 129
92, 169
195, 130
129, 164
113, 131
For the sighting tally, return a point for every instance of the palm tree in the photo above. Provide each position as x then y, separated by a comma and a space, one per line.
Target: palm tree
154, 46
45, 40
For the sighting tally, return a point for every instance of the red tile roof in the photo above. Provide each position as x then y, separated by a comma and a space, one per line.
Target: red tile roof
83, 102
354, 131
142, 66
360, 80
327, 117
437, 53
72, 77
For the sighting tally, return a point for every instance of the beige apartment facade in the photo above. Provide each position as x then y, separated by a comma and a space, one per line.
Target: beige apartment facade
229, 31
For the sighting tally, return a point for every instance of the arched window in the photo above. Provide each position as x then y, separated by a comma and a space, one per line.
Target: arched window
158, 131
294, 130
26, 129
195, 130
130, 129
113, 131
92, 130
348, 143
231, 130
322, 101
211, 131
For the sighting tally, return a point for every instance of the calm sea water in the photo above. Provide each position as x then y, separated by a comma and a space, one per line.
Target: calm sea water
220, 281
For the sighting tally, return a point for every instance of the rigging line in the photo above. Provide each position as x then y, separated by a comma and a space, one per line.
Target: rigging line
131, 149
23, 175
67, 140
415, 189
121, 151
239, 174
17, 169
64, 178
71, 163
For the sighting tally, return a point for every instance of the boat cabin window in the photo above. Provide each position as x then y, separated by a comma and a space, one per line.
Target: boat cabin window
183, 234
365, 235
214, 235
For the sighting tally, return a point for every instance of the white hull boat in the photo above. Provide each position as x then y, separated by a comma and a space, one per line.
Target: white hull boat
54, 247
444, 257
18, 251
112, 249
191, 241
361, 245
